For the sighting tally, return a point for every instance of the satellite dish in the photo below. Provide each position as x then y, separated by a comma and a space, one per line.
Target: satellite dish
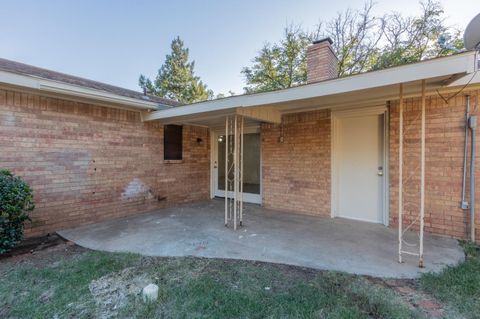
471, 36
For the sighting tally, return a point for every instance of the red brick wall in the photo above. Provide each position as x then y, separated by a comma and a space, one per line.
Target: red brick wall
322, 63
88, 163
443, 167
296, 173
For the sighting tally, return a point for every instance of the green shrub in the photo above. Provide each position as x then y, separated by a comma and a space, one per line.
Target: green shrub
16, 200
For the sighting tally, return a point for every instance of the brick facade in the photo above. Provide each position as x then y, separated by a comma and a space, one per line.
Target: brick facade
88, 163
296, 173
444, 138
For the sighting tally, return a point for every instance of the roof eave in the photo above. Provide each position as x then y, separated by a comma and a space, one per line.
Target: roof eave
50, 86
463, 63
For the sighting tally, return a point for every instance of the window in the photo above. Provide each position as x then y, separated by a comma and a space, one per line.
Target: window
172, 142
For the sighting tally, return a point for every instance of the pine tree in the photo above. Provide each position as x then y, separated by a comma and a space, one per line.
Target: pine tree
176, 79
281, 65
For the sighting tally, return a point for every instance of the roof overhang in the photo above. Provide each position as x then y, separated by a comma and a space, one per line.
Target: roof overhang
367, 89
64, 90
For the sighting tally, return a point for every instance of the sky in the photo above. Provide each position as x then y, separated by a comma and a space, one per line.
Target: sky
116, 41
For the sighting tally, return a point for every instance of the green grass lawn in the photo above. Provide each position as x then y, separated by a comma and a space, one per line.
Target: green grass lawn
458, 287
91, 284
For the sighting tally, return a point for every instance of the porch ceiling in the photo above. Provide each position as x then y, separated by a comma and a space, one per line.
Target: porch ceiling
367, 89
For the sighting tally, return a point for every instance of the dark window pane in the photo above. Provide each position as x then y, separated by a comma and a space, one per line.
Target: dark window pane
172, 142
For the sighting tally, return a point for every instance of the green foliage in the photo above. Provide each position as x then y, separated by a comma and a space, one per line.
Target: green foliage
16, 200
458, 286
356, 36
193, 288
279, 65
412, 39
176, 79
361, 41
58, 289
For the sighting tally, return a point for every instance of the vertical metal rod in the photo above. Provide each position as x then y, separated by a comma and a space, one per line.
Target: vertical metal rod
400, 175
241, 171
422, 178
235, 174
472, 123
463, 203
226, 171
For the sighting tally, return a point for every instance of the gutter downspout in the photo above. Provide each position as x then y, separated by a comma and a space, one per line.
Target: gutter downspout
464, 202
472, 123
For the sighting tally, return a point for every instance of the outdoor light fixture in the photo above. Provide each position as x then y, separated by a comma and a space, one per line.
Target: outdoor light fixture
220, 138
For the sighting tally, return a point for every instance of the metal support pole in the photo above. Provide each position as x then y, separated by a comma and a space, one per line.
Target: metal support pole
400, 175
422, 178
234, 170
226, 171
235, 174
241, 171
464, 203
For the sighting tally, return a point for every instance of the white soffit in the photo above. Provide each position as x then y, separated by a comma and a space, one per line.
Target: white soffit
443, 67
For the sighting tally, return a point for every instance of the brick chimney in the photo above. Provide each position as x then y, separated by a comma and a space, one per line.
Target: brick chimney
321, 61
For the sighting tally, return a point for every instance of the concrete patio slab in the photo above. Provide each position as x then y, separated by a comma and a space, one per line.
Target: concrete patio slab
270, 236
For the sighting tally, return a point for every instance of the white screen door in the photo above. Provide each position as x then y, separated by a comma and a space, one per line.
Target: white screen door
359, 162
251, 167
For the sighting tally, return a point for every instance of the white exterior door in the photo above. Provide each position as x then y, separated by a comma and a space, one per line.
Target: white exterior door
251, 166
359, 163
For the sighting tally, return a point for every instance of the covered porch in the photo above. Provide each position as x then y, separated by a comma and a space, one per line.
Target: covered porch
269, 236
336, 148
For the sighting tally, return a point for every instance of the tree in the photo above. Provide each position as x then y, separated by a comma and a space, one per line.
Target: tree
412, 39
356, 35
176, 79
361, 41
280, 65
222, 95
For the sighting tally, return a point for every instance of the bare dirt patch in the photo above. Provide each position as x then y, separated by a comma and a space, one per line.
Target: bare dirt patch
111, 292
44, 256
411, 294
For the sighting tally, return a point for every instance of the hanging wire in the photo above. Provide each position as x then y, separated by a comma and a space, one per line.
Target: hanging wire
446, 100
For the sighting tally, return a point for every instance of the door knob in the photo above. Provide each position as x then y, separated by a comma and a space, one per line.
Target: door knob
380, 171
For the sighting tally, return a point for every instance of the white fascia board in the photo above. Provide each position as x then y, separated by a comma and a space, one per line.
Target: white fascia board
473, 78
455, 64
18, 80
37, 83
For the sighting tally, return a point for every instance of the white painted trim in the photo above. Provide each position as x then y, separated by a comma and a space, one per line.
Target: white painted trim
213, 157
41, 84
360, 219
386, 167
214, 191
333, 165
456, 64
247, 197
355, 112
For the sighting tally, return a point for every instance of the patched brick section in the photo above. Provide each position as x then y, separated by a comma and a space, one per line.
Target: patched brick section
88, 163
296, 173
444, 163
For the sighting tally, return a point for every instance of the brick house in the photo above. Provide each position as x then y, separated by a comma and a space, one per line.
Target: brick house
329, 148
